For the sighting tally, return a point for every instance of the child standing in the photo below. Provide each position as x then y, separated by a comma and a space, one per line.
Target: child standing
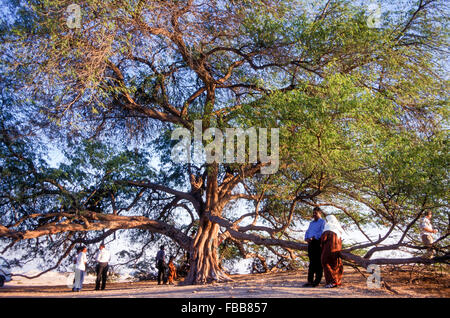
172, 270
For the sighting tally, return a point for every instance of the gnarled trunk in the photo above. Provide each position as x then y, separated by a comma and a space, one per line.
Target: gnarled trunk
204, 258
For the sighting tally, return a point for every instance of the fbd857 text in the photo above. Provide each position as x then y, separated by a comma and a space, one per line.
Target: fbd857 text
245, 307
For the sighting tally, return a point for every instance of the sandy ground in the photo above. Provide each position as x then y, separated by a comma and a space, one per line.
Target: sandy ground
272, 285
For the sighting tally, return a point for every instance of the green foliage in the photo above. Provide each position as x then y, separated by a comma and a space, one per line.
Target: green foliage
362, 111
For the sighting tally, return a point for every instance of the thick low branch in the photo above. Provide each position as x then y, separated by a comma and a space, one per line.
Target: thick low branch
394, 261
237, 233
98, 222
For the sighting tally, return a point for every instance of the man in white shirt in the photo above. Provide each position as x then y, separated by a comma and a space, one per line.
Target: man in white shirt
426, 232
80, 268
103, 257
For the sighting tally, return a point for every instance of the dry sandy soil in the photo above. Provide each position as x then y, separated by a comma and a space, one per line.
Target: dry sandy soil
273, 285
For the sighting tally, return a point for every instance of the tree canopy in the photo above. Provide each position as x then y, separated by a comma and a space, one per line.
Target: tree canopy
361, 113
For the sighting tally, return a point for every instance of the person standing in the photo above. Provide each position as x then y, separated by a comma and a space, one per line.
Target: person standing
172, 274
80, 268
103, 257
426, 233
312, 236
331, 243
160, 264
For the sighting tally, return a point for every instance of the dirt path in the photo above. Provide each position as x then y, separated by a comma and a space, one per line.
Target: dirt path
273, 285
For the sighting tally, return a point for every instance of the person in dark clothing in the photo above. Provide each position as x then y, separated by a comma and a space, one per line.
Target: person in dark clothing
160, 265
312, 236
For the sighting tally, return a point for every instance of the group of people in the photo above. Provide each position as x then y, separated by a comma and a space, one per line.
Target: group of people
324, 246
325, 243
167, 273
102, 259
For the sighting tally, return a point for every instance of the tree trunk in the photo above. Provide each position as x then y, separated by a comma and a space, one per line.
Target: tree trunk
204, 259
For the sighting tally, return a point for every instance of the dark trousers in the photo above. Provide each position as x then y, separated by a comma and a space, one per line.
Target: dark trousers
102, 272
161, 272
315, 263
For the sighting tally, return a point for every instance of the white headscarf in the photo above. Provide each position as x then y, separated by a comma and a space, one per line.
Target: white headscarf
333, 225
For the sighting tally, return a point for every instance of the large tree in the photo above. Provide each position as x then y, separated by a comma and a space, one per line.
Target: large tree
360, 112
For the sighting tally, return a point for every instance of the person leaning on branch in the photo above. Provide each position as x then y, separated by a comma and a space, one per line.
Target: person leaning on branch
312, 236
426, 233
